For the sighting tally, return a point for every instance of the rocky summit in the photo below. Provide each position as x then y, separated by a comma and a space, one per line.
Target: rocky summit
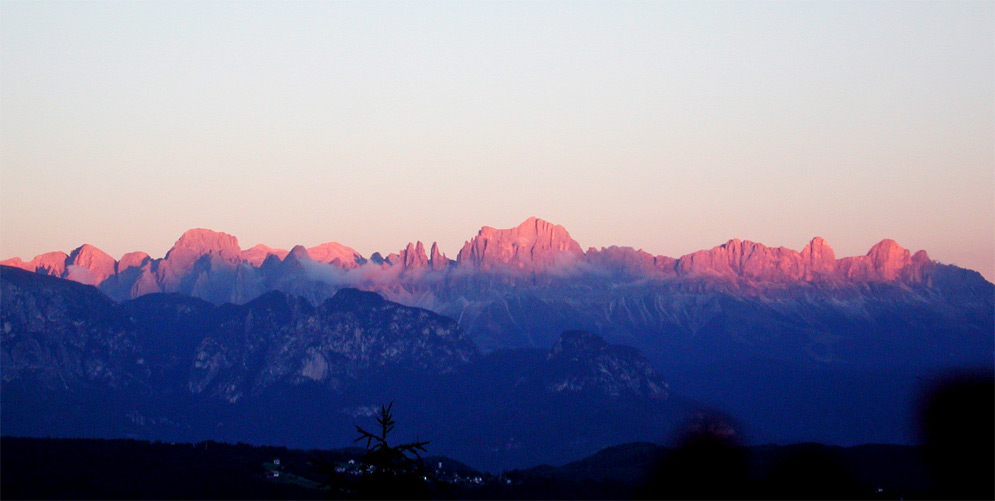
581, 361
533, 246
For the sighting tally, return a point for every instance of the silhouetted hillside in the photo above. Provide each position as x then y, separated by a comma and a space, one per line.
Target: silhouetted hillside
32, 468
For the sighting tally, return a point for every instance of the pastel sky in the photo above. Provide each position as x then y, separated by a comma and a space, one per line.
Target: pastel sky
666, 126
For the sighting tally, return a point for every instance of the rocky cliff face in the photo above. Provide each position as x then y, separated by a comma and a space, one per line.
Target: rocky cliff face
50, 263
61, 335
533, 246
886, 261
90, 265
335, 254
584, 362
282, 339
197, 253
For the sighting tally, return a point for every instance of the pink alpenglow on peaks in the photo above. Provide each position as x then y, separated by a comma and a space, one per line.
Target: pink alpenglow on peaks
888, 258
533, 246
198, 242
413, 257
437, 259
886, 261
212, 266
221, 251
49, 263
334, 253
257, 254
746, 259
90, 265
133, 260
818, 258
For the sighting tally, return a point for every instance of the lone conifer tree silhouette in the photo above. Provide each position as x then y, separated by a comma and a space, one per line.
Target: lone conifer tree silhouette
396, 471
389, 472
390, 460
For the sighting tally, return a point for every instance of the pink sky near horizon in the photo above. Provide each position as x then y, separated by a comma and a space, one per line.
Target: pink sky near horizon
666, 126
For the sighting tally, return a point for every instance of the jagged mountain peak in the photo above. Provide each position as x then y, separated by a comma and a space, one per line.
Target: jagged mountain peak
205, 240
335, 253
819, 247
413, 256
90, 265
584, 362
888, 258
534, 245
292, 265
437, 259
258, 253
49, 263
89, 252
135, 259
887, 250
298, 253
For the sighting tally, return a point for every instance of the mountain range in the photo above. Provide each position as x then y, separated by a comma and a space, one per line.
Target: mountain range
523, 349
211, 265
501, 278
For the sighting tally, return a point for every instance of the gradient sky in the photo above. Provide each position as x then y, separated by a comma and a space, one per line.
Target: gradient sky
666, 126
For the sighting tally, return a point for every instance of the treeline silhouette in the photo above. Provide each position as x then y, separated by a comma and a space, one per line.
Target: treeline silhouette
956, 461
58, 468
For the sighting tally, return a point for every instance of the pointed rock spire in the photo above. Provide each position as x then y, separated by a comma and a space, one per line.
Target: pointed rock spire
298, 253
437, 260
413, 256
818, 258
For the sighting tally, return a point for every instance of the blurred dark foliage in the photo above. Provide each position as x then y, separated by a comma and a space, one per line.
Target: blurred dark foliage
957, 422
956, 461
